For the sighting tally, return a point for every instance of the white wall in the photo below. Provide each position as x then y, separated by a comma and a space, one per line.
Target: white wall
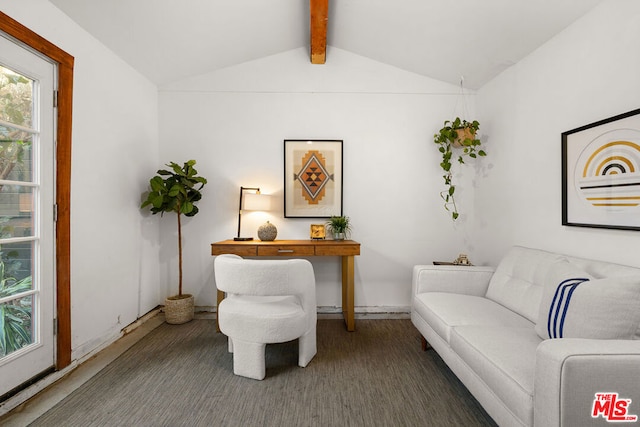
587, 73
114, 248
234, 121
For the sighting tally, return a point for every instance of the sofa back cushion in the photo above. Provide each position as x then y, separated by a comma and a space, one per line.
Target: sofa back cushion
519, 280
520, 277
603, 269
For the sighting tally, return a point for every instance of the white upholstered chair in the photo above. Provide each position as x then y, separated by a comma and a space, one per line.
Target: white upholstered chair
268, 301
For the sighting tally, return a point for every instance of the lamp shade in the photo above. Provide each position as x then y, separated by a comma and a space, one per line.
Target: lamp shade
256, 202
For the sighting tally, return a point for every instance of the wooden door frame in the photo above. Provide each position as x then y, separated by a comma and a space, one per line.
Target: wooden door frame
63, 178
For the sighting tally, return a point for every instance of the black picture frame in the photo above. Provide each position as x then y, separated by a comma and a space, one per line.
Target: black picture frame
312, 178
601, 174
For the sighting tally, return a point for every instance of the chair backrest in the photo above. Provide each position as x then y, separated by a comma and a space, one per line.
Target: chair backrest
267, 277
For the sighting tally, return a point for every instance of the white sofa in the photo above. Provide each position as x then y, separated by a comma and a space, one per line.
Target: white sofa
492, 329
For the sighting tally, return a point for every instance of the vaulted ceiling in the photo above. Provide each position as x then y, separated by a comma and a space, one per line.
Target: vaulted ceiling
167, 40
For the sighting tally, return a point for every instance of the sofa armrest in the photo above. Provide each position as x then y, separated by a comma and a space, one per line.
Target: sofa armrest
570, 372
470, 280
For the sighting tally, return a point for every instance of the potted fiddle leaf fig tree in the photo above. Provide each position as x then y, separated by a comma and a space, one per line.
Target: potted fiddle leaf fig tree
176, 190
458, 134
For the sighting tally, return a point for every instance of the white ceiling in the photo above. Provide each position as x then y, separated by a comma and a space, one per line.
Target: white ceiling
167, 40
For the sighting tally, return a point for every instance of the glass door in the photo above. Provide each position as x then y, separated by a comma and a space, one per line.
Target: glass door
27, 280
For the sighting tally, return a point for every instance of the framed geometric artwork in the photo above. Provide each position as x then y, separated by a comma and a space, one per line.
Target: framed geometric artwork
312, 178
601, 174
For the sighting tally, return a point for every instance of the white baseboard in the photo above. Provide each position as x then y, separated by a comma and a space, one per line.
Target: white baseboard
333, 312
367, 310
334, 309
91, 348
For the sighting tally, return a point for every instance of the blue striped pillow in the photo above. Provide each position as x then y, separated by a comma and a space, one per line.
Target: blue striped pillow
560, 305
576, 305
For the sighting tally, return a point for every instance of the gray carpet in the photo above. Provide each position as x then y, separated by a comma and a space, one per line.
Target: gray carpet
183, 376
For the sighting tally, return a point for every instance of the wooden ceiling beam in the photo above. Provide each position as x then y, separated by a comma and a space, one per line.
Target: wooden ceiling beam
319, 17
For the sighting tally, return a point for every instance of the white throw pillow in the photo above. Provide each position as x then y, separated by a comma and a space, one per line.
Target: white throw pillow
575, 305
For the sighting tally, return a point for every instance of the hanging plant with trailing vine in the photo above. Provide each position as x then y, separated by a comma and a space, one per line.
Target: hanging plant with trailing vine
459, 135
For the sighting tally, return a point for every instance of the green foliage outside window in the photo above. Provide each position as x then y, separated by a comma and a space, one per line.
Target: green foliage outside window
16, 105
15, 315
16, 108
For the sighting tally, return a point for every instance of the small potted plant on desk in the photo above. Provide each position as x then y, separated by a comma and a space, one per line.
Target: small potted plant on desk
339, 227
176, 190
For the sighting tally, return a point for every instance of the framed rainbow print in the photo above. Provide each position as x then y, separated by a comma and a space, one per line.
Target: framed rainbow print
601, 174
312, 178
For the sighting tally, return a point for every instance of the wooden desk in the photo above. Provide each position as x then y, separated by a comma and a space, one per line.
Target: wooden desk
346, 249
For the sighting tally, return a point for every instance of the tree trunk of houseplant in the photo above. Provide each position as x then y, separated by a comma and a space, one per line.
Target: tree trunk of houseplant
179, 308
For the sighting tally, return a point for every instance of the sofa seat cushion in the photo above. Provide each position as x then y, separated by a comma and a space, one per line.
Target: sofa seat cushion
442, 311
504, 358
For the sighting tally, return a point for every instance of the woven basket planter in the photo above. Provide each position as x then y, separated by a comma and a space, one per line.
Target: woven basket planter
178, 309
463, 133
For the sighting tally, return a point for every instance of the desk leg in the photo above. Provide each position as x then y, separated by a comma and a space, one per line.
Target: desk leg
219, 300
347, 292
